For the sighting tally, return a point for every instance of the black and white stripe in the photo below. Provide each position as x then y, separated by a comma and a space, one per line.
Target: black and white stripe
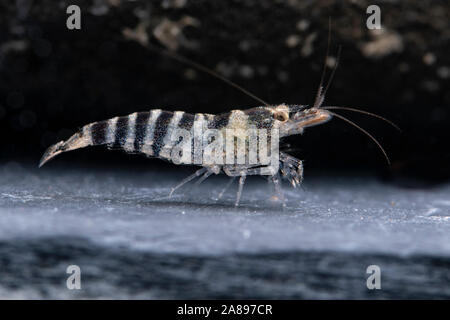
169, 139
261, 118
103, 132
160, 130
219, 121
98, 132
147, 139
140, 129
131, 134
120, 133
111, 131
186, 121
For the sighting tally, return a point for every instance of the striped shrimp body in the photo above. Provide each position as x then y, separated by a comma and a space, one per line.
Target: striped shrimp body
151, 133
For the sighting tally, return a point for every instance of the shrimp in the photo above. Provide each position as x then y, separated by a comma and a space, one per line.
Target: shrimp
174, 135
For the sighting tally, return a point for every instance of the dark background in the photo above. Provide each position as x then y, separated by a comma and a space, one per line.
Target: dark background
54, 80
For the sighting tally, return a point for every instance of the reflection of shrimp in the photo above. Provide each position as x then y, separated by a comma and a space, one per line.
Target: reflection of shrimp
150, 133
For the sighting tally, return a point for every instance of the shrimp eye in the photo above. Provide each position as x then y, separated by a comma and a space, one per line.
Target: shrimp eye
281, 116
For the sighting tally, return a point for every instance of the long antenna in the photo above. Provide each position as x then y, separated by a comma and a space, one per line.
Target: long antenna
363, 112
202, 68
364, 131
338, 57
319, 96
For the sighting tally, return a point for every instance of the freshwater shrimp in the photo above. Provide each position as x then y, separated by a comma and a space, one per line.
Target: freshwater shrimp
152, 133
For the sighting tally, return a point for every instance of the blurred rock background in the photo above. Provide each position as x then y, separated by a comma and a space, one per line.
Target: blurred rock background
54, 80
